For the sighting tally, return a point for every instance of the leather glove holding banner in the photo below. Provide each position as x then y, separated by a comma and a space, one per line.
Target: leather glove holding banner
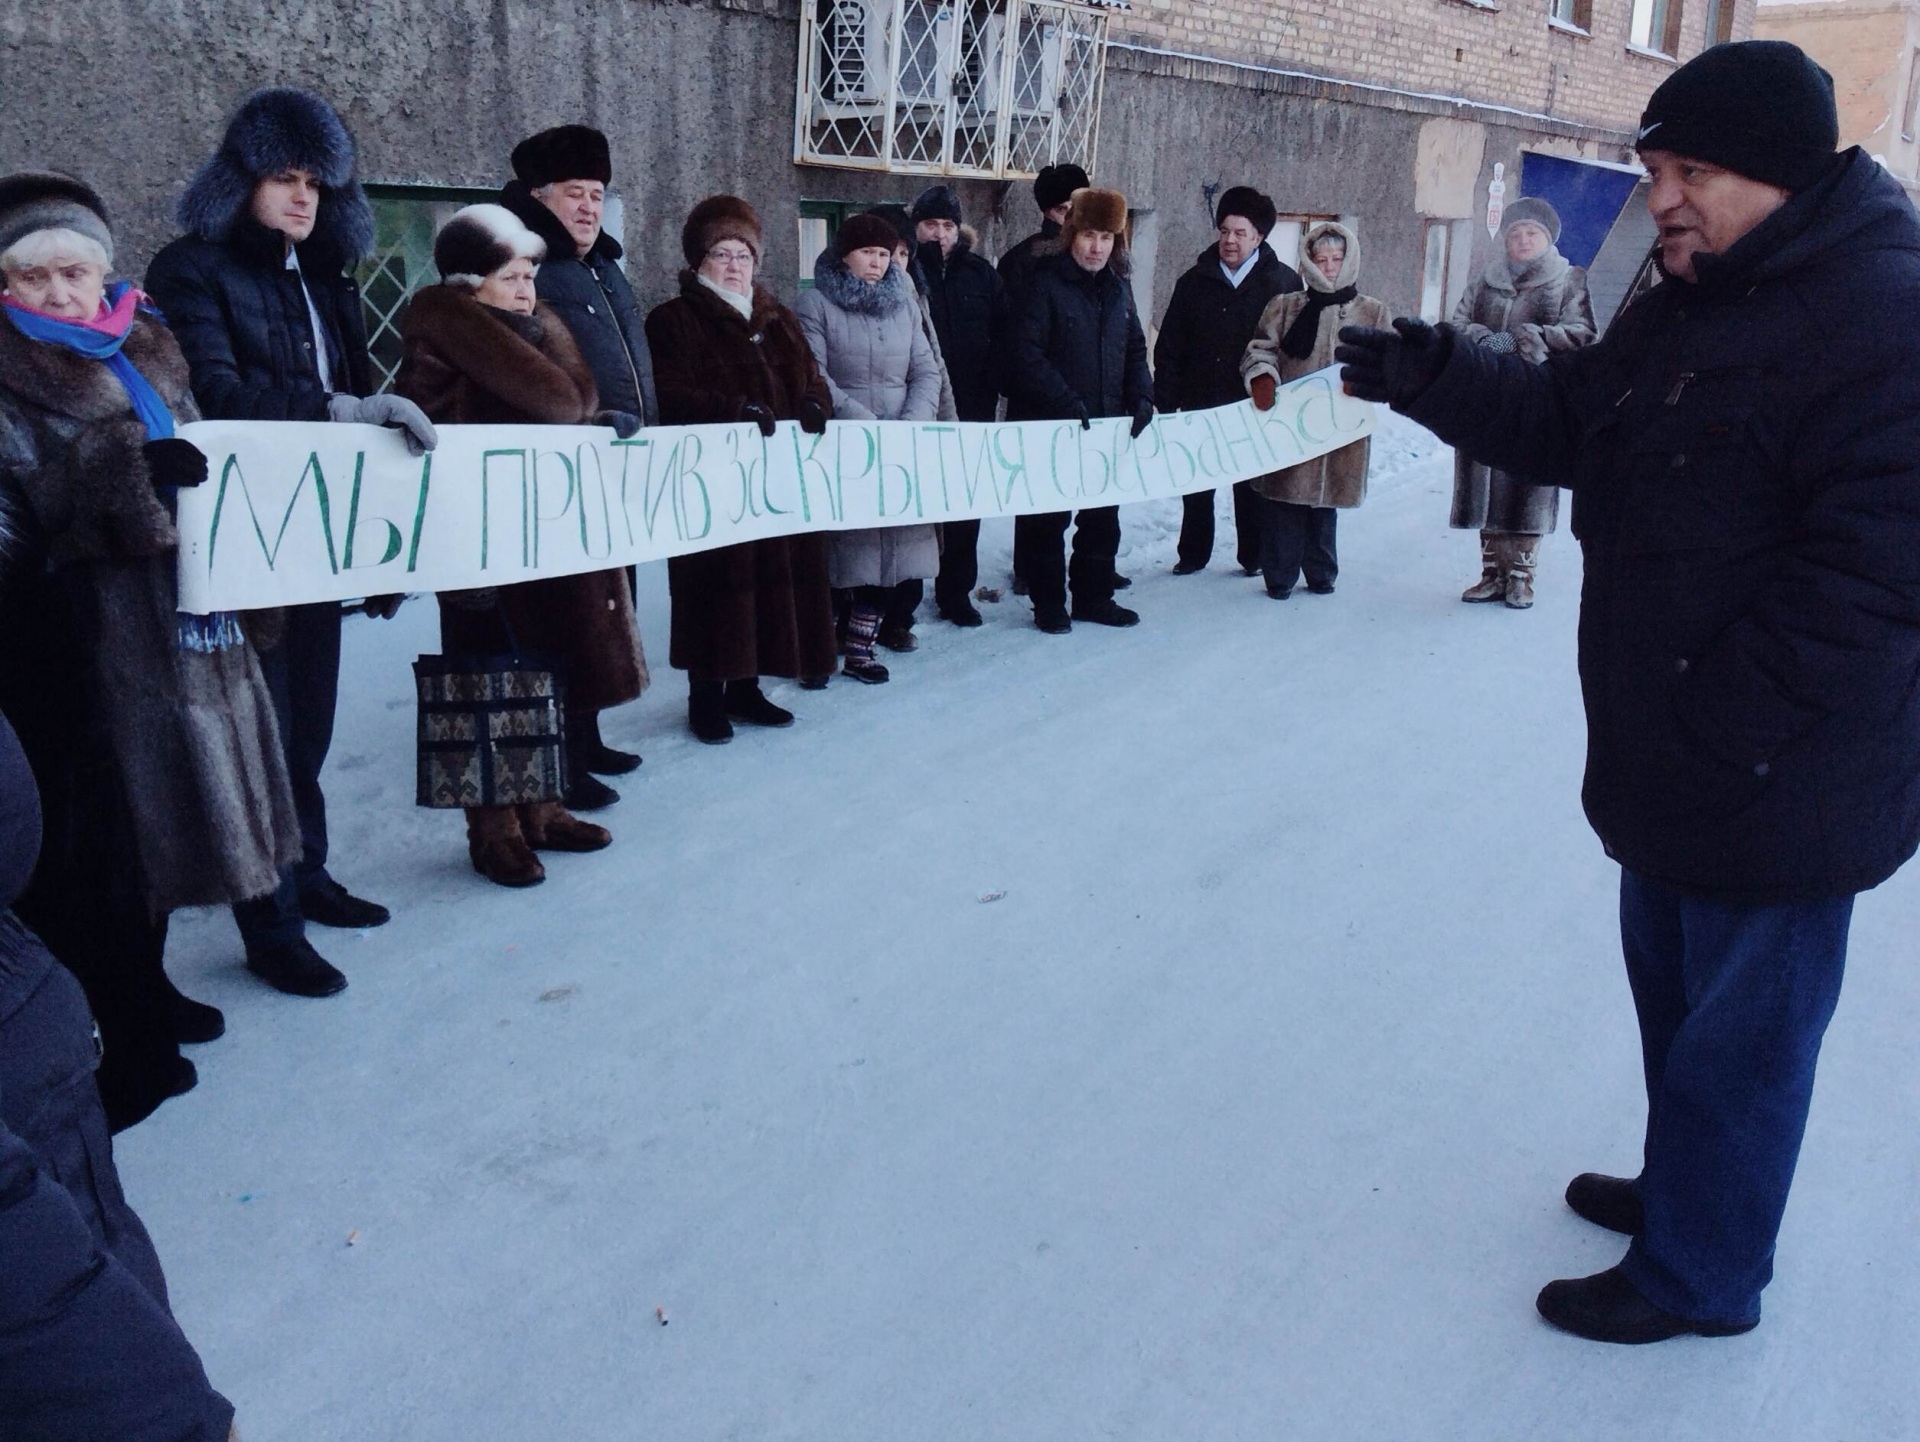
813, 417
1395, 366
396, 411
1142, 418
755, 414
1262, 390
174, 462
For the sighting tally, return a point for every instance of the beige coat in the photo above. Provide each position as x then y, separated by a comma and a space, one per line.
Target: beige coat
1339, 478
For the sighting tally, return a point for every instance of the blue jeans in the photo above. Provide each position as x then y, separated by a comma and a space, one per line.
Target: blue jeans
303, 676
1733, 1000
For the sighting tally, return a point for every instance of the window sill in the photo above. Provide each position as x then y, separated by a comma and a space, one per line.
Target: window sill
1566, 27
1479, 4
1646, 54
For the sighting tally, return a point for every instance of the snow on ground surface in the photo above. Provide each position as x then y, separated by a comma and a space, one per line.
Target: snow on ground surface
1180, 1033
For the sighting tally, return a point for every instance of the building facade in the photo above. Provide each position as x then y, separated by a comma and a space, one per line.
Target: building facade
1872, 50
1396, 115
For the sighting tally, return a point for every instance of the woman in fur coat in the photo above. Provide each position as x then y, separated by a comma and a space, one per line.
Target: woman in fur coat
150, 732
1531, 301
1301, 505
725, 350
862, 321
480, 350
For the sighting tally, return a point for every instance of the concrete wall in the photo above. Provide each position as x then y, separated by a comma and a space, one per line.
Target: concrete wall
1868, 46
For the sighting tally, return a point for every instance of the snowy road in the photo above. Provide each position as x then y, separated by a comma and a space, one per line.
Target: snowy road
1242, 1113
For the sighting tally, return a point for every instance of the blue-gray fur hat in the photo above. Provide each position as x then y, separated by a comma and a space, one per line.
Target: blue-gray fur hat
275, 130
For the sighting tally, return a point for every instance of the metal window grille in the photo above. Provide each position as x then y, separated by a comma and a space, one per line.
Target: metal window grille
406, 218
986, 88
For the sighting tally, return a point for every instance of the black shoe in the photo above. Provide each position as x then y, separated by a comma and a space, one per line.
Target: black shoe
963, 613
130, 1100
898, 638
1279, 593
1019, 584
587, 792
1120, 582
328, 903
814, 683
603, 760
194, 1023
1106, 613
1320, 588
297, 969
1052, 619
1189, 568
747, 702
1247, 570
1606, 1307
707, 714
1610, 1202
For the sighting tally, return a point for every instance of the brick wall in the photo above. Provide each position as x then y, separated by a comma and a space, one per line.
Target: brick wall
1868, 45
1504, 53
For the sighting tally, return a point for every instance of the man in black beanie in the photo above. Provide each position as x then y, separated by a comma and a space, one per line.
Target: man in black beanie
1743, 448
1215, 310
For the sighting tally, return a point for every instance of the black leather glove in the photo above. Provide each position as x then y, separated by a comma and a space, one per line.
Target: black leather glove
1392, 366
624, 423
174, 462
813, 417
753, 413
1142, 418
1085, 423
383, 608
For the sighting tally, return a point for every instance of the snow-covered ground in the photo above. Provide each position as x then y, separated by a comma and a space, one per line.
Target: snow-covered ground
1179, 1033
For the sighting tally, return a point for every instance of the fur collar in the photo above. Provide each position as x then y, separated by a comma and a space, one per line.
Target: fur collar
58, 380
857, 297
1549, 268
515, 196
528, 364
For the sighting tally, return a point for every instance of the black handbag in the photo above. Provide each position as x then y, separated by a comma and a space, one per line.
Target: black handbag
492, 730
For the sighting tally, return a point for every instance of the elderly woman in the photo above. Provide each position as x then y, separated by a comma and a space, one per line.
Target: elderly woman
1530, 301
1300, 506
725, 350
150, 732
481, 350
862, 321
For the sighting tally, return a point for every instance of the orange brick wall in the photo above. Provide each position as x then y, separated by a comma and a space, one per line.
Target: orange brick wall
1868, 47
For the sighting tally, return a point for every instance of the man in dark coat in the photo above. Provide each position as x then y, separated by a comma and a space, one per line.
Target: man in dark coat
1214, 313
1743, 449
1081, 354
559, 191
963, 296
258, 296
88, 1348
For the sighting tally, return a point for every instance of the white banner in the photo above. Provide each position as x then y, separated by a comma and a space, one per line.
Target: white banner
310, 511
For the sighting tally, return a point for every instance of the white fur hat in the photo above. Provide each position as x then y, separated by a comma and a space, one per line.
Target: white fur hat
479, 240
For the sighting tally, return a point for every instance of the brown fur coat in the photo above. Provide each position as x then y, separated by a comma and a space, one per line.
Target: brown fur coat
469, 364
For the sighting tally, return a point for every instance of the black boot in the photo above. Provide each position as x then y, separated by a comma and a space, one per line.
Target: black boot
129, 1098
328, 903
297, 969
1606, 1307
1052, 618
598, 757
707, 712
193, 1023
585, 791
747, 702
961, 612
1610, 1202
1106, 613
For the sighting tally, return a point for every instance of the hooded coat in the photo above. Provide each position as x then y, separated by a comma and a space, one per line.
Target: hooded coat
869, 345
88, 1348
1544, 306
963, 295
761, 608
1339, 478
1744, 457
469, 364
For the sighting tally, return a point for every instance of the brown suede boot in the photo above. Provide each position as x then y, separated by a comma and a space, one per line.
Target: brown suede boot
1492, 585
549, 826
1523, 554
500, 853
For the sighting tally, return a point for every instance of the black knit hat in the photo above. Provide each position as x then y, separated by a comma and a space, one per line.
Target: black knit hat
1532, 210
566, 152
859, 232
1760, 108
1250, 205
938, 202
1055, 185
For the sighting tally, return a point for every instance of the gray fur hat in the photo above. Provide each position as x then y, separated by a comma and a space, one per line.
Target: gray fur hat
1536, 211
35, 200
275, 130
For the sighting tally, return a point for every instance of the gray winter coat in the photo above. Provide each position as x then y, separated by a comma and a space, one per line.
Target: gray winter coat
1546, 310
872, 349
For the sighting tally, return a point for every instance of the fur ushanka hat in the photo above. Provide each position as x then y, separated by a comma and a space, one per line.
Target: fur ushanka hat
566, 152
718, 218
864, 232
1097, 210
480, 239
1055, 185
275, 130
36, 200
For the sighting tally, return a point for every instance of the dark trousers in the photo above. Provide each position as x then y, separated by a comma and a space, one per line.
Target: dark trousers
303, 676
1733, 1001
1295, 536
1040, 557
903, 604
959, 565
1196, 527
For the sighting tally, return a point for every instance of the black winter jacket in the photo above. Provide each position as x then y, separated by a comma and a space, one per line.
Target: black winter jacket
593, 299
1079, 345
1744, 454
242, 321
1016, 269
963, 296
88, 1349
1204, 334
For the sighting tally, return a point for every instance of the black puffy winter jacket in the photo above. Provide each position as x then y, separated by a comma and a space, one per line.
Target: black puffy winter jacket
1079, 345
1204, 334
1744, 454
242, 321
963, 296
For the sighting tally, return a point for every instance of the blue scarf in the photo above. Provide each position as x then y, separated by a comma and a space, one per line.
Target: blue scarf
205, 634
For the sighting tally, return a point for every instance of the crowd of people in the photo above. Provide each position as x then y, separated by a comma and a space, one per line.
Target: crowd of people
168, 760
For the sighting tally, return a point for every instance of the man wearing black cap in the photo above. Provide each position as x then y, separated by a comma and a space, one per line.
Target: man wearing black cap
1743, 449
1215, 311
559, 191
